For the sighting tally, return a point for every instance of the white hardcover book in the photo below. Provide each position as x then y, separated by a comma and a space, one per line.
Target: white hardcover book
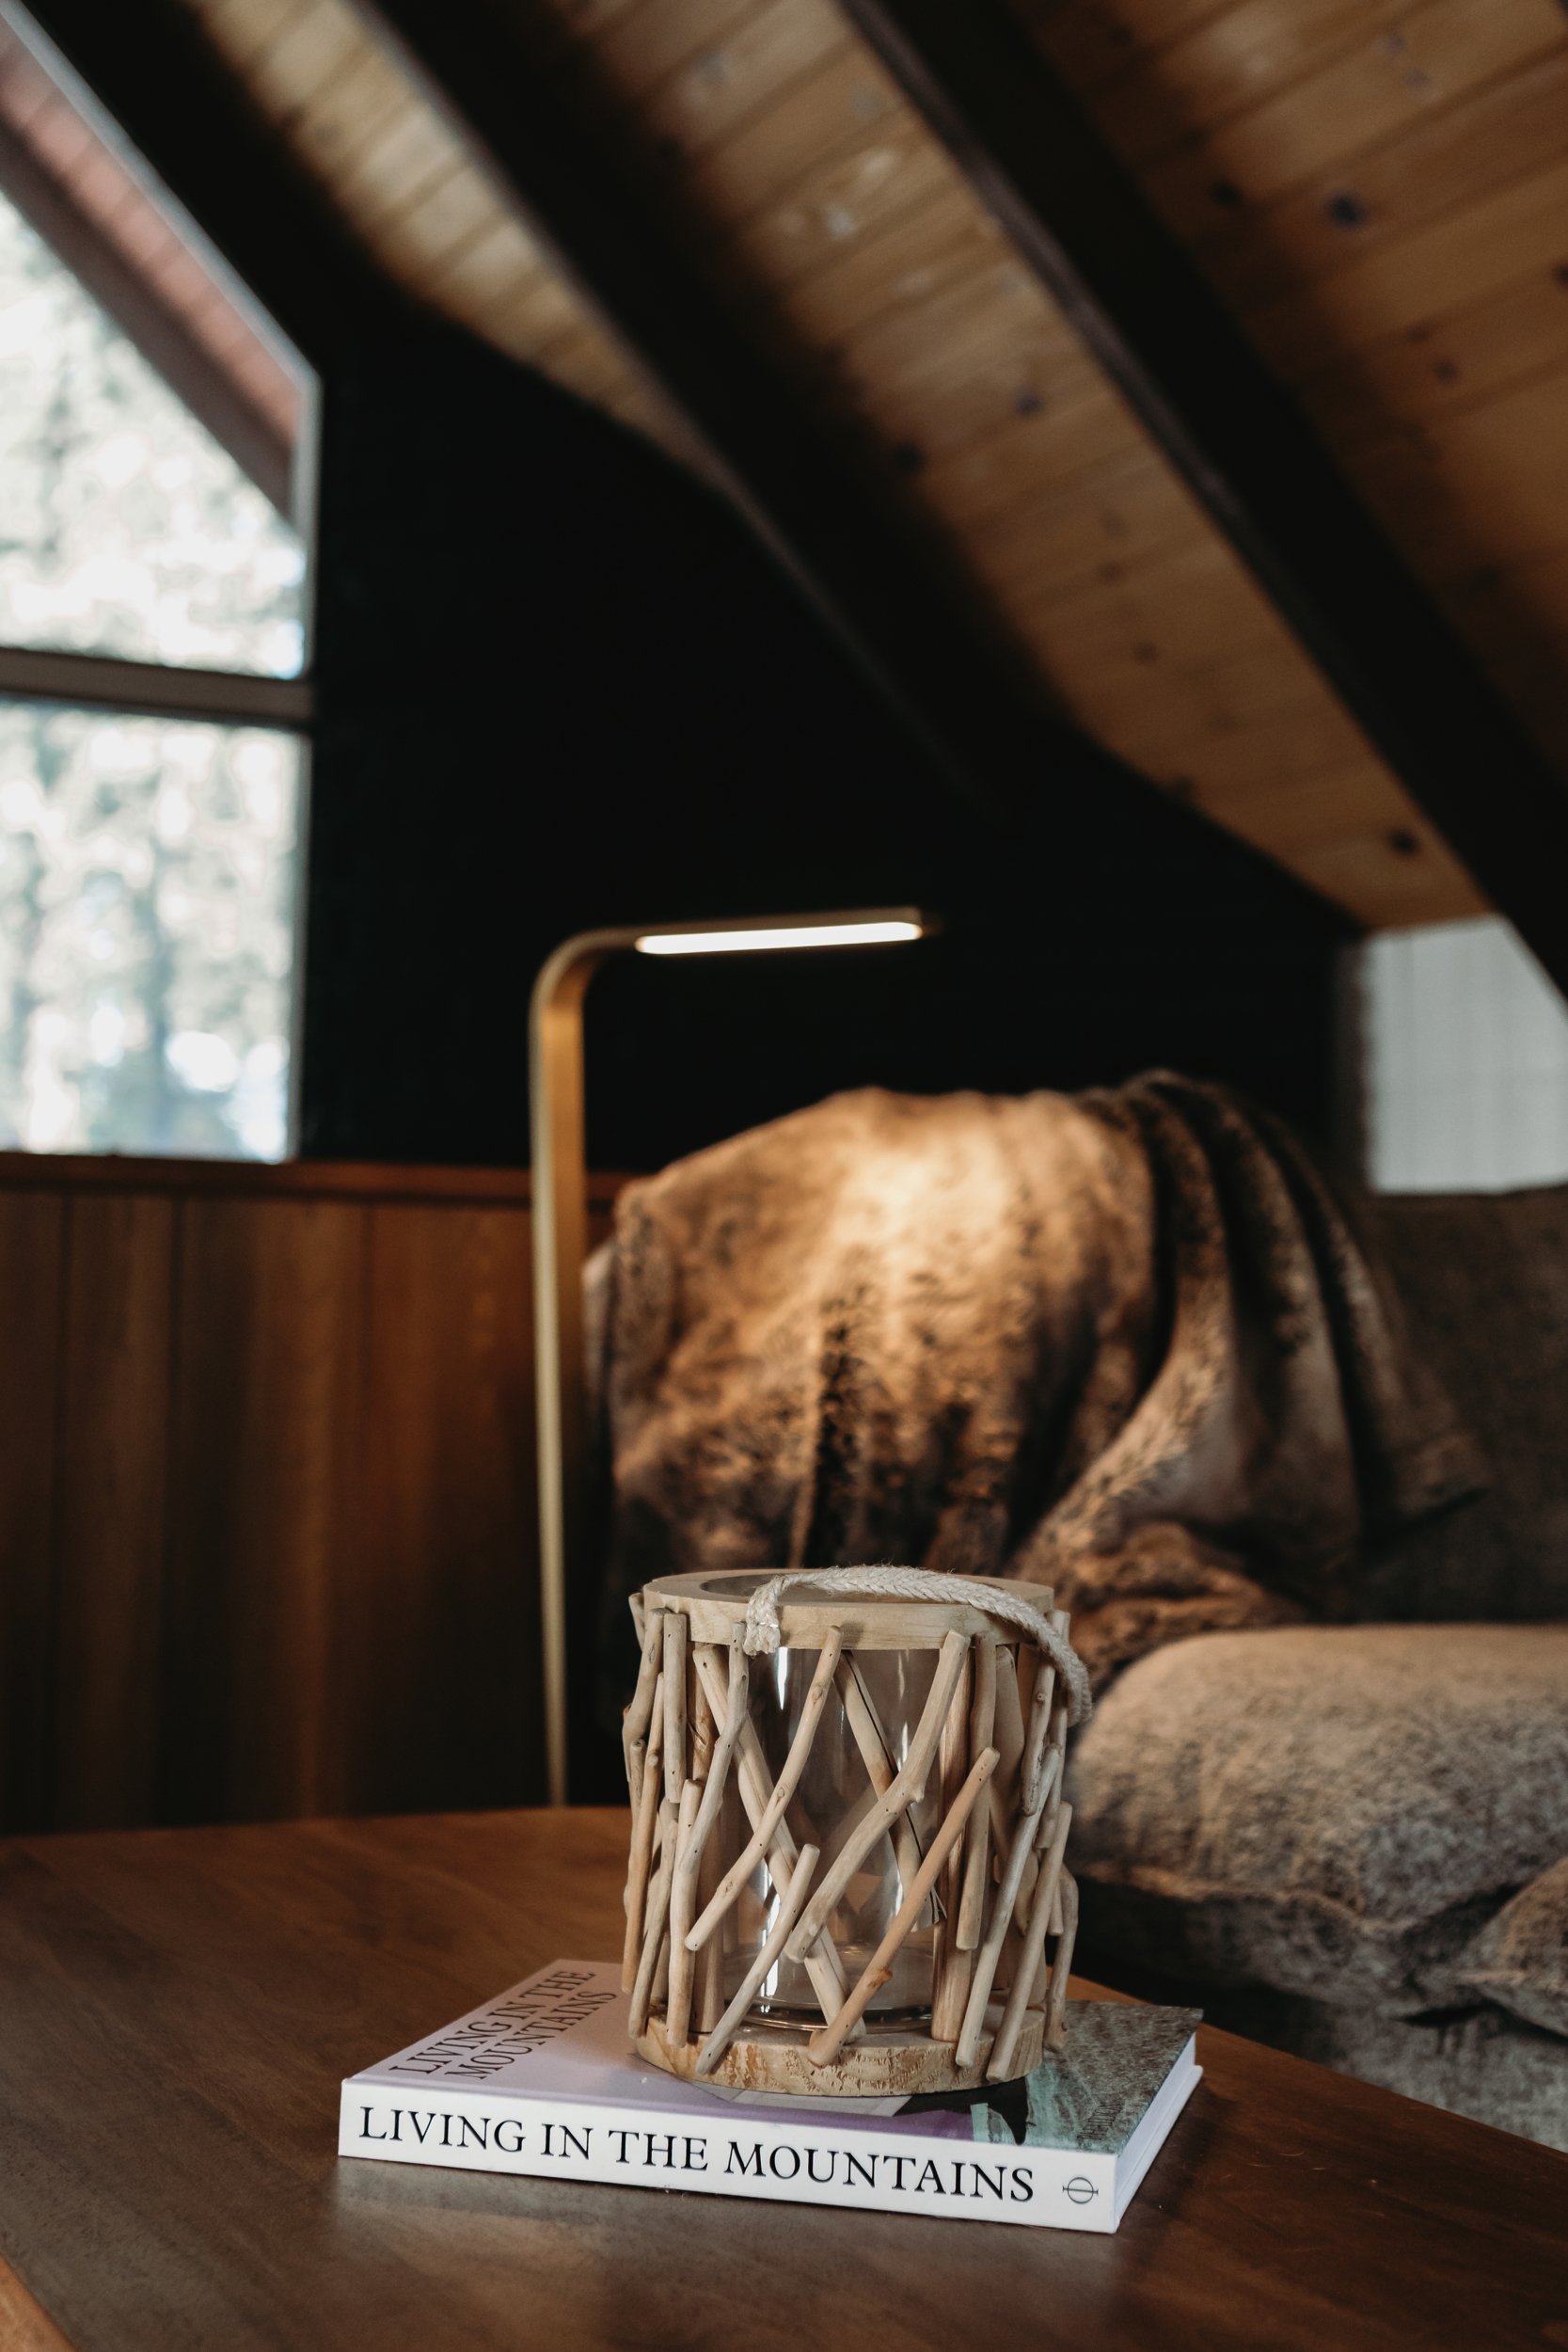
543, 2081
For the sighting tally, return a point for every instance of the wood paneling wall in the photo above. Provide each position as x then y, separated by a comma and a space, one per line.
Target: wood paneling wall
266, 1513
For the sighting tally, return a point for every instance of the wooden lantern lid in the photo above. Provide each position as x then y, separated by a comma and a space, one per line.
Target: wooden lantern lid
715, 1602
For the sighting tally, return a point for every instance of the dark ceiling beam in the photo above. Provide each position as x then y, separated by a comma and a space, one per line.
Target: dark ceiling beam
1078, 217
586, 197
192, 372
151, 69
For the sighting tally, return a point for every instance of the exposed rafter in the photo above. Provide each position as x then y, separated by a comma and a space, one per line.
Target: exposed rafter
583, 198
163, 338
1077, 216
152, 69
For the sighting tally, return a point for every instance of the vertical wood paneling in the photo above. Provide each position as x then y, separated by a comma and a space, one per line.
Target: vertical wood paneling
437, 1623
262, 1462
32, 1229
267, 1535
109, 1528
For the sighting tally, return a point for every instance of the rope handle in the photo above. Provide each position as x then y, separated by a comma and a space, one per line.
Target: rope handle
761, 1637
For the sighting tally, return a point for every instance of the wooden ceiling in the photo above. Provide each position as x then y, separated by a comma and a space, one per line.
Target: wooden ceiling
1380, 193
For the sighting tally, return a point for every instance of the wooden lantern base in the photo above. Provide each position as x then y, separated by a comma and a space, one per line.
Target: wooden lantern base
897, 2063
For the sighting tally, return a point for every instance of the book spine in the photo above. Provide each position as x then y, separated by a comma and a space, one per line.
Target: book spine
743, 2155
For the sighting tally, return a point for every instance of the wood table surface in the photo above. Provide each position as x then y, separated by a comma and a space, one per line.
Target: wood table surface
179, 2006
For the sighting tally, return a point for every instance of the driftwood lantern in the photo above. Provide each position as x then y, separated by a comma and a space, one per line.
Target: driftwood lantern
848, 1829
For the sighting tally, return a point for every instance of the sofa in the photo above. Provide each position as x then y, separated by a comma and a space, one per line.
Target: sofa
1350, 1841
1296, 1466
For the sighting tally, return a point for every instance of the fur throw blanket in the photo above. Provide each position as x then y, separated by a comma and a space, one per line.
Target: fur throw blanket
1124, 1344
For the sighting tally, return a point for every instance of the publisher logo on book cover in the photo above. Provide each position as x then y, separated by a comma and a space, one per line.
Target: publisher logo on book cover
1079, 2190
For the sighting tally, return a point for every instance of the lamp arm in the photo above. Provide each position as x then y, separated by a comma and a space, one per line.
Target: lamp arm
560, 1230
559, 1218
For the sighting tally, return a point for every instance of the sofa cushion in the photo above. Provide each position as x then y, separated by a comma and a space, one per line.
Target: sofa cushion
1328, 1810
1520, 1959
1484, 1280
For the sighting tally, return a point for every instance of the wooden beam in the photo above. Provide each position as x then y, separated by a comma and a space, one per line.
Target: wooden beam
1078, 217
975, 709
152, 71
192, 371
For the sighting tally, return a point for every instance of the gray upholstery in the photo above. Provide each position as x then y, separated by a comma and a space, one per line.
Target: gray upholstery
1354, 1839
1330, 1810
1483, 1278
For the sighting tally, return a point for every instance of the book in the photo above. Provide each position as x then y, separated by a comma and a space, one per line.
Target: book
543, 2081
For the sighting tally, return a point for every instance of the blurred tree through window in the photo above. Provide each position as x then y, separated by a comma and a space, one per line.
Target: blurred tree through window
148, 866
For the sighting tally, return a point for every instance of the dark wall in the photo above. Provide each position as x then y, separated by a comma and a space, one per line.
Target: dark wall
562, 683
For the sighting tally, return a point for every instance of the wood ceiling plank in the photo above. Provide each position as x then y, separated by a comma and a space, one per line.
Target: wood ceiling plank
344, 114
997, 306
1043, 429
450, 214
1092, 42
983, 355
1306, 735
1354, 824
1245, 689
638, 48
401, 246
1182, 610
313, 48
1230, 66
923, 256
819, 120
1446, 266
585, 19
714, 95
1438, 54
975, 410
492, 272
1487, 488
1497, 134
1338, 804
586, 359
539, 311
1434, 371
1391, 888
886, 174
1124, 515
245, 29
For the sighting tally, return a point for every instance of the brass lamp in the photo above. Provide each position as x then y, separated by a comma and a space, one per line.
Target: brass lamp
560, 1219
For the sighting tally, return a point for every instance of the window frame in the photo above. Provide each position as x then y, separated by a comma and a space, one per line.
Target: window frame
127, 685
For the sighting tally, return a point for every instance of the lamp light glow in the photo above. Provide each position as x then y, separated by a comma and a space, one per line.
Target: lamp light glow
697, 943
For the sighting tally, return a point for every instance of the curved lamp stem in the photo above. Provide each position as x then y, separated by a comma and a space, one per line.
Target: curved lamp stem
560, 1247
561, 1224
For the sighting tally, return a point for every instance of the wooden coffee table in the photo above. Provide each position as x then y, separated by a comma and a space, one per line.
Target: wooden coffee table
179, 2005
